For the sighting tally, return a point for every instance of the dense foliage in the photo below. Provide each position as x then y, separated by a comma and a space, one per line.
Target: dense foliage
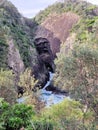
76, 71
79, 74
14, 26
21, 116
82, 8
7, 86
67, 115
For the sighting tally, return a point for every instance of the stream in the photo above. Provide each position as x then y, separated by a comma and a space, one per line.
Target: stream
48, 97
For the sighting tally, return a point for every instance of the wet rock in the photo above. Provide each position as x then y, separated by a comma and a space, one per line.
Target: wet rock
55, 90
46, 60
15, 61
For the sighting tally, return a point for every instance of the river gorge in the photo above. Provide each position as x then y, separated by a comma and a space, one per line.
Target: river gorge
48, 97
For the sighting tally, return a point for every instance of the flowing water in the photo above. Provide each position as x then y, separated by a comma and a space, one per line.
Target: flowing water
48, 97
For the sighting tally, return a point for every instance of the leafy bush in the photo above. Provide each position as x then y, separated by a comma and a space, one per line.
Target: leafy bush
68, 115
27, 81
7, 90
43, 124
20, 115
14, 117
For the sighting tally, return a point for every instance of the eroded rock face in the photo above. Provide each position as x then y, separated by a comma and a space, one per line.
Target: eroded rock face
17, 34
14, 59
56, 28
15, 62
45, 54
45, 61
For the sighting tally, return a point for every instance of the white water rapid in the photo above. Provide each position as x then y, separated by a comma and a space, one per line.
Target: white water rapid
49, 97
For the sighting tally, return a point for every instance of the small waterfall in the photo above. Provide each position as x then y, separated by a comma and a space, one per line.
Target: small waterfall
49, 97
50, 79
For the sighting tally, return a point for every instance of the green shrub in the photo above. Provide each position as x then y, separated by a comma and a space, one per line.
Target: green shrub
16, 116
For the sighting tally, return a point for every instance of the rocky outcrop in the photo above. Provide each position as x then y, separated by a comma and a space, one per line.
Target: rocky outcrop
14, 59
17, 40
56, 90
23, 50
46, 60
45, 54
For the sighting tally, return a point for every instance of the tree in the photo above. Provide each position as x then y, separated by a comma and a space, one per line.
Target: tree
79, 76
67, 115
27, 81
7, 87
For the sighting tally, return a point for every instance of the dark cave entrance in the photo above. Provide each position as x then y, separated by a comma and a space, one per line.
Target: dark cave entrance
49, 67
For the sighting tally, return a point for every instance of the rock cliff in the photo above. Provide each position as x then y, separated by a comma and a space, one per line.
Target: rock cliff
56, 28
17, 48
34, 43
